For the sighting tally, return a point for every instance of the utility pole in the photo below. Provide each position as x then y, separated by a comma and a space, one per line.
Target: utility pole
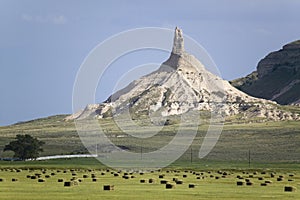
249, 159
191, 154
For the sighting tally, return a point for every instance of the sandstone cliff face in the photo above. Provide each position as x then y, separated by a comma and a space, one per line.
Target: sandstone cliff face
277, 76
180, 85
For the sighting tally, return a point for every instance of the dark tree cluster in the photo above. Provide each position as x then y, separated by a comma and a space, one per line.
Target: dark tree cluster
25, 147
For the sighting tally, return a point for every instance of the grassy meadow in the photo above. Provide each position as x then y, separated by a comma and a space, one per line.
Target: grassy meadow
273, 146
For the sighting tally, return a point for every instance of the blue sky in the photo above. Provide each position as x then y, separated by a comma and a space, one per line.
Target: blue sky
43, 43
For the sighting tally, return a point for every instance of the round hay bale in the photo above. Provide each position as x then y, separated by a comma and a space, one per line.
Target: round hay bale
142, 181
184, 175
14, 179
33, 177
169, 186
290, 180
47, 176
102, 174
272, 175
179, 182
161, 176
191, 185
53, 174
60, 180
163, 181
41, 180
260, 178
289, 189
250, 176
217, 177
116, 174
94, 179
2, 179
263, 184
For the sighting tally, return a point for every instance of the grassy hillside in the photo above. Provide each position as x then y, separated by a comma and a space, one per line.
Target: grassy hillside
267, 142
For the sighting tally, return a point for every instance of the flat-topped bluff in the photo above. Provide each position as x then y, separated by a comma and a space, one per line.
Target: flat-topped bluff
180, 85
277, 76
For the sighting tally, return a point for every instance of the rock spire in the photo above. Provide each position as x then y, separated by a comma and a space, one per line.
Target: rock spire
178, 45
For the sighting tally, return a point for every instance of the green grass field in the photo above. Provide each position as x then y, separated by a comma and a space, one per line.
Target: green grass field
202, 175
274, 148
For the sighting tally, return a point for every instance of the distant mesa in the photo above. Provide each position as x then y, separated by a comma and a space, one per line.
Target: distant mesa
181, 85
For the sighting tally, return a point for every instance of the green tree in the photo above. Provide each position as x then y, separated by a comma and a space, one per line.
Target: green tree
25, 147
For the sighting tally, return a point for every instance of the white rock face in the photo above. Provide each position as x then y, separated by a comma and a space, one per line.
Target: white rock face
180, 85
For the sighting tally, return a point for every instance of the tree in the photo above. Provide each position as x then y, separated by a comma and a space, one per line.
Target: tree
25, 147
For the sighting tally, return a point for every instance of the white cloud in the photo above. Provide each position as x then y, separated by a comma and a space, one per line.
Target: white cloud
53, 19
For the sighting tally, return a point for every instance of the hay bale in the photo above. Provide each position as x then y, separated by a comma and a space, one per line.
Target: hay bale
94, 179
250, 176
68, 183
103, 174
249, 183
33, 177
125, 177
289, 189
41, 180
268, 181
151, 180
116, 174
272, 175
279, 179
108, 187
47, 176
169, 186
142, 181
239, 183
263, 184
179, 182
85, 176
260, 178
14, 179
175, 179
290, 180
53, 174
184, 176
191, 185
161, 176
2, 179
60, 180
163, 181
217, 177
